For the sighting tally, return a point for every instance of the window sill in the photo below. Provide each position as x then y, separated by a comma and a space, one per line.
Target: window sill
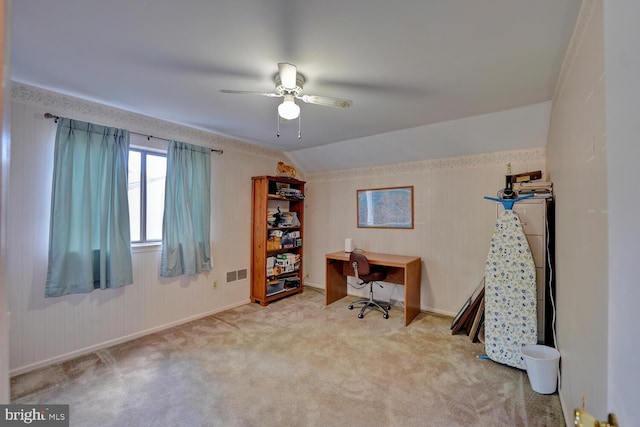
146, 247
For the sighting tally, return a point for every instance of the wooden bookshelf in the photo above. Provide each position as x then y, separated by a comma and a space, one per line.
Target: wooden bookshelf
270, 283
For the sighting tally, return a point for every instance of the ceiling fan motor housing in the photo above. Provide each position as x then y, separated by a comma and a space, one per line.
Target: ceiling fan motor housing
282, 90
289, 84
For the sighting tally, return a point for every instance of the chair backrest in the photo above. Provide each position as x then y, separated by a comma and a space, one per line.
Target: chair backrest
360, 264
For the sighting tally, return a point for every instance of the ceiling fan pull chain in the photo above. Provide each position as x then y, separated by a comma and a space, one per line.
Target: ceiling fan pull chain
278, 125
299, 131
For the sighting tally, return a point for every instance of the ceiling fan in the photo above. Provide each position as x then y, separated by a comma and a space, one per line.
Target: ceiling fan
289, 84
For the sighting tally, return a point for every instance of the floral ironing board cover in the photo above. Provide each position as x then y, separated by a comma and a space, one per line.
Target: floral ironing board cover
510, 293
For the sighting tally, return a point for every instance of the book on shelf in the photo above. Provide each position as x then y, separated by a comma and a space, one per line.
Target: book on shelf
539, 189
537, 194
534, 190
534, 185
542, 196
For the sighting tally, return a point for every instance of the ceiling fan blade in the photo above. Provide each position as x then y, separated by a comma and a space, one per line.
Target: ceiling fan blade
323, 100
248, 92
288, 73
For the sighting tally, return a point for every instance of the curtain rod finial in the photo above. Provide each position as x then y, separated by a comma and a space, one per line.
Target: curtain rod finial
51, 116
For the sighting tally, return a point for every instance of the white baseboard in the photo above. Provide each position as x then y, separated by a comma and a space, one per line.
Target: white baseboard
567, 412
349, 292
120, 340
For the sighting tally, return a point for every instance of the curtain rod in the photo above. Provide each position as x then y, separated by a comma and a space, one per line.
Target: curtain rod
51, 116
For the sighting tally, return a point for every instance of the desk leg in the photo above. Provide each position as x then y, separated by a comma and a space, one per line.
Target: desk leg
411, 291
336, 282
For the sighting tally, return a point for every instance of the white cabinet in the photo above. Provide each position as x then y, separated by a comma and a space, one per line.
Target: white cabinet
536, 216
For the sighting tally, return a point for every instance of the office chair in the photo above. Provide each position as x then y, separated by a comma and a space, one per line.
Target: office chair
365, 274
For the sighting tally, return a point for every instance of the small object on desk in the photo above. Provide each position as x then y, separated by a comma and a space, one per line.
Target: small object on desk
348, 245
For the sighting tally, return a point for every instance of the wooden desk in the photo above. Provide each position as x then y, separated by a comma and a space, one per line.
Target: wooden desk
401, 270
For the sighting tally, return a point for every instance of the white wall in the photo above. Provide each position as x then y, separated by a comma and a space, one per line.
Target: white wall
593, 152
453, 222
5, 146
53, 329
622, 64
577, 165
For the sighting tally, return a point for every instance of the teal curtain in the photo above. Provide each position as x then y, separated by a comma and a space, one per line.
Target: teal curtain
89, 237
186, 247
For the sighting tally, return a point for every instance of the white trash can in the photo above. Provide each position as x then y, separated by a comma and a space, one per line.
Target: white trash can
542, 367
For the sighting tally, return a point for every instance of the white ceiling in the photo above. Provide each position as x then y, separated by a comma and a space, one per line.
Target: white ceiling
404, 64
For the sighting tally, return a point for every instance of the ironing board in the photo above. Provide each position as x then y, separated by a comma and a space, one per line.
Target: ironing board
510, 290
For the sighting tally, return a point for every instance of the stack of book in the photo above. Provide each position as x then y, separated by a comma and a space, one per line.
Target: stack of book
543, 189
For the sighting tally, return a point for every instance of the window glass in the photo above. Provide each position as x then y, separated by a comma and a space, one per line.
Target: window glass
135, 172
147, 171
156, 171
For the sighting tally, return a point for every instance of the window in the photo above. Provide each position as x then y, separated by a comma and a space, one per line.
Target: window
147, 171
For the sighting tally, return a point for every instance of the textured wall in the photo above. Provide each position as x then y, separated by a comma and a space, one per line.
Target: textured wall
46, 330
453, 222
622, 63
577, 164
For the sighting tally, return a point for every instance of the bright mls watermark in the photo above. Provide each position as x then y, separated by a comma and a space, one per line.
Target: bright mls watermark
34, 415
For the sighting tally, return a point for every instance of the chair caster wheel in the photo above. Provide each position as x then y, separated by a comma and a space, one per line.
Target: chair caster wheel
386, 316
360, 316
350, 307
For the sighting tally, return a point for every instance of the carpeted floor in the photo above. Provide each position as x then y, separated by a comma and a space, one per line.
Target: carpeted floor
296, 362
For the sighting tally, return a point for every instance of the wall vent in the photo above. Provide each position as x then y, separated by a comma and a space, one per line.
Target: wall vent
232, 276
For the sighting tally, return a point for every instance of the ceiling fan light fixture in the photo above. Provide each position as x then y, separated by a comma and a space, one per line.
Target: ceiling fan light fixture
289, 110
289, 83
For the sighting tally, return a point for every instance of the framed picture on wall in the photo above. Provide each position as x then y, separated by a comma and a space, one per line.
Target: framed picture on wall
385, 207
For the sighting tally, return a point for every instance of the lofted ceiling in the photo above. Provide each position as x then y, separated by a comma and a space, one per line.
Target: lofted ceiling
404, 64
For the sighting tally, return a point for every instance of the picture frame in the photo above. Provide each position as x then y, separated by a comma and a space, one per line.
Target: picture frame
467, 304
390, 207
460, 313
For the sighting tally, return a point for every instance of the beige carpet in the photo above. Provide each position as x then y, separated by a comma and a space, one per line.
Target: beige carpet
293, 363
